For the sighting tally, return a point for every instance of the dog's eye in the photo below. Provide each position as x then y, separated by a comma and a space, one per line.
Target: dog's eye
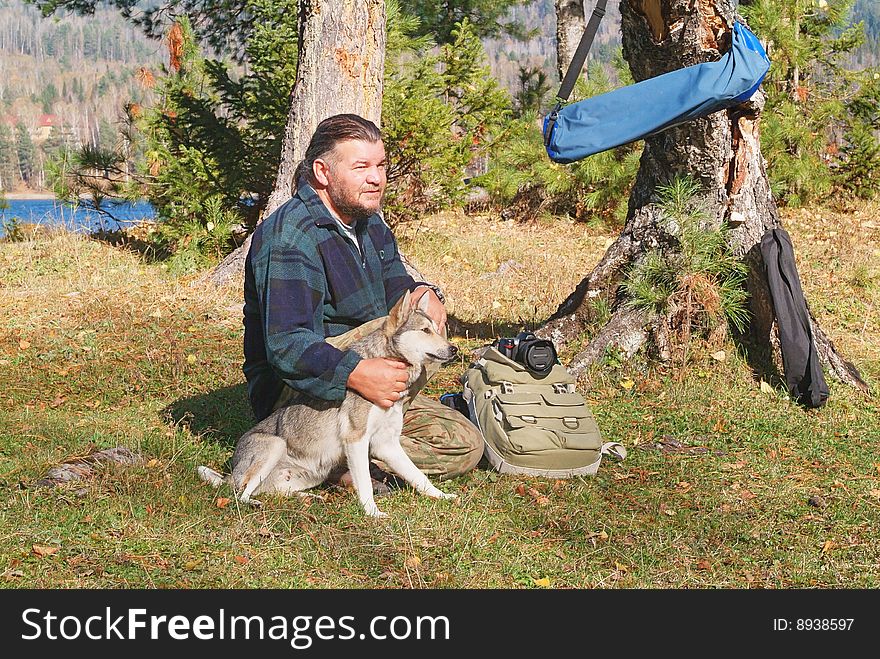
427, 330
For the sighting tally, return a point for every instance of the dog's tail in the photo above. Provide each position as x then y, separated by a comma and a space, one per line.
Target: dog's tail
210, 476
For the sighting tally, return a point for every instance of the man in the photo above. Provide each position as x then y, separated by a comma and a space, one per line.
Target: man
324, 270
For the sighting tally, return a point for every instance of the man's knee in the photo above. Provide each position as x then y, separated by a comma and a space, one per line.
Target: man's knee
440, 441
465, 448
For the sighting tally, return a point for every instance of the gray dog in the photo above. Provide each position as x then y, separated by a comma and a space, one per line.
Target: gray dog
297, 446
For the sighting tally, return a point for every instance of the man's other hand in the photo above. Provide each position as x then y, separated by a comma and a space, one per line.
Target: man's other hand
436, 310
381, 381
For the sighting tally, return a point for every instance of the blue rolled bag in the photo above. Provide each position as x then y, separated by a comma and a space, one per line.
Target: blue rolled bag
637, 111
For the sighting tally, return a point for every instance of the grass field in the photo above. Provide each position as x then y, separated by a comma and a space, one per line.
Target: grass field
725, 485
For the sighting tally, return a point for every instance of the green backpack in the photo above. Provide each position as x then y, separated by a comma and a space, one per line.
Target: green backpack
533, 425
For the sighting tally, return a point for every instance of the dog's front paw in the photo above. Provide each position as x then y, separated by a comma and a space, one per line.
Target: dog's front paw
376, 514
434, 493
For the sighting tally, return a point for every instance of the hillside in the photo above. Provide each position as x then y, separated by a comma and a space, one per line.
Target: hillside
65, 80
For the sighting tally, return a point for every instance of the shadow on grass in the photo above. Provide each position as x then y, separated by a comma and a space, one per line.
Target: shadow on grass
485, 330
146, 249
757, 343
221, 416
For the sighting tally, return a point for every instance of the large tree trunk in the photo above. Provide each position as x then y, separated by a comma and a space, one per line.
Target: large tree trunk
340, 68
570, 25
722, 152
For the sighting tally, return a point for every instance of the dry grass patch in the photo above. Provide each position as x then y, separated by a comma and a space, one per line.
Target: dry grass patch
838, 258
501, 275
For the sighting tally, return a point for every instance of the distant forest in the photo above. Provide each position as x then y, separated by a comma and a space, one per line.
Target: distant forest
63, 83
65, 80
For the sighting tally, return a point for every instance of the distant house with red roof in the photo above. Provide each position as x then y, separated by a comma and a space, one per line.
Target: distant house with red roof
45, 125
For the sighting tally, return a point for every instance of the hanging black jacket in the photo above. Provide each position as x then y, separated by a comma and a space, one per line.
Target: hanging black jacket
803, 372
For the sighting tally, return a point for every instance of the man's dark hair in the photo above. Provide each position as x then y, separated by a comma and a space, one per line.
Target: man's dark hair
329, 133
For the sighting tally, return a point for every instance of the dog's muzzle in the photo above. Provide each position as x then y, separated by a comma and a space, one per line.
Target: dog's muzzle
451, 351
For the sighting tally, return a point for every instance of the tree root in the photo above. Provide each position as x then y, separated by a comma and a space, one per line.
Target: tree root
626, 332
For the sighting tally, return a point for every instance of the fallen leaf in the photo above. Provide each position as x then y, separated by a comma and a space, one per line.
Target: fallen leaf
603, 535
828, 546
544, 582
24, 345
190, 359
241, 560
413, 562
542, 501
627, 384
447, 259
719, 356
153, 462
496, 304
521, 490
875, 494
620, 567
704, 565
766, 388
493, 537
222, 502
43, 551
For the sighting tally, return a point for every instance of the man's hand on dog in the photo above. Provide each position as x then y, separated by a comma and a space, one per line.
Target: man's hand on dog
381, 381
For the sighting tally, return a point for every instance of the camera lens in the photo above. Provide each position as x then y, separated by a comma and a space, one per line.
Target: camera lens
538, 356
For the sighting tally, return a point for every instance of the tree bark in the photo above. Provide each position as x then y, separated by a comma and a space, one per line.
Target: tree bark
340, 68
570, 24
722, 152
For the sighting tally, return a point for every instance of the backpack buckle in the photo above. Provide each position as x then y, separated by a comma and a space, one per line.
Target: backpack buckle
506, 388
571, 422
528, 418
559, 388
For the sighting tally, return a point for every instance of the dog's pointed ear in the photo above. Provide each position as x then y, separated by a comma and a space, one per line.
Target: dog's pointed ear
423, 302
399, 314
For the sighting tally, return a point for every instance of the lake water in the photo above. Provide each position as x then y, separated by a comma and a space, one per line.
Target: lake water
52, 212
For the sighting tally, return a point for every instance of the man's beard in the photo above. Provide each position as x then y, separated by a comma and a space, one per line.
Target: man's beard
351, 207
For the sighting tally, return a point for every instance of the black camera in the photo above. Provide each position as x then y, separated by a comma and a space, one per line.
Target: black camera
537, 355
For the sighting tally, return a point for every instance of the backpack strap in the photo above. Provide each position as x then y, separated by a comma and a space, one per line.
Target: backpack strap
577, 64
616, 449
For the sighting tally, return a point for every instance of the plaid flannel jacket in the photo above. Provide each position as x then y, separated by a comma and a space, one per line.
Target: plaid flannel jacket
305, 281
